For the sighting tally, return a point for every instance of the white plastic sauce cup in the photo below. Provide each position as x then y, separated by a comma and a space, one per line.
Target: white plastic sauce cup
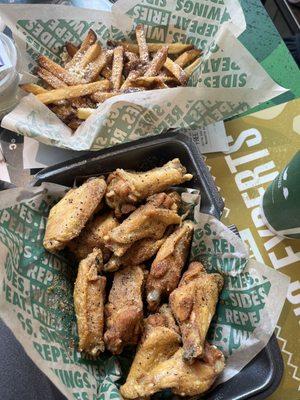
9, 77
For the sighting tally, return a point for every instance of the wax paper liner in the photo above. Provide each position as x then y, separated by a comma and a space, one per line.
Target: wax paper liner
228, 82
36, 296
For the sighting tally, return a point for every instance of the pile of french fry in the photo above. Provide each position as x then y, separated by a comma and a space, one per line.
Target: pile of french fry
91, 74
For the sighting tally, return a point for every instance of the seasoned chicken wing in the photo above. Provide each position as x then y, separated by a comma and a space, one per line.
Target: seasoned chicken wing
158, 364
89, 297
148, 221
69, 216
193, 304
166, 268
125, 188
138, 253
92, 236
163, 318
124, 310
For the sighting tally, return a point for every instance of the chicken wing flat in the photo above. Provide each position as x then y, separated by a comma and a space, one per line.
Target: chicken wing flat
69, 216
89, 298
92, 236
193, 304
163, 318
138, 253
148, 221
125, 188
124, 310
166, 268
158, 364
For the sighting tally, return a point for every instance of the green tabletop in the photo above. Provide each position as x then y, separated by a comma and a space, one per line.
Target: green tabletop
264, 42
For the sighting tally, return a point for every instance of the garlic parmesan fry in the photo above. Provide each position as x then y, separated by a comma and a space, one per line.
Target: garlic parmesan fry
158, 62
90, 55
173, 48
131, 77
58, 71
142, 44
84, 113
100, 97
71, 49
33, 88
191, 68
73, 91
187, 57
89, 40
149, 81
50, 79
176, 70
94, 68
106, 72
117, 67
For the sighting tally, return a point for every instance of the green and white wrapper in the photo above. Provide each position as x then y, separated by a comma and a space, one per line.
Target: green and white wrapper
36, 296
228, 82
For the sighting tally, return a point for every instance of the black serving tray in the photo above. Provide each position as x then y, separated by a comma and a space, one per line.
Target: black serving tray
262, 375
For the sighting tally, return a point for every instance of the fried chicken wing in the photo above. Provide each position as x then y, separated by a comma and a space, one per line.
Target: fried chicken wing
69, 216
92, 236
89, 297
138, 253
163, 318
158, 364
124, 310
193, 304
148, 221
125, 188
166, 268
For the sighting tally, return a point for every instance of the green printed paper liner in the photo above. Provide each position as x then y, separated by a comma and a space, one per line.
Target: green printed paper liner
228, 82
36, 296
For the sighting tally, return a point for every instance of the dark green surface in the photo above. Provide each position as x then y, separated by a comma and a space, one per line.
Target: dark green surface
264, 42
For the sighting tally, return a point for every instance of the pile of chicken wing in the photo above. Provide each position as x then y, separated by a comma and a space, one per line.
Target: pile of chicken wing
127, 230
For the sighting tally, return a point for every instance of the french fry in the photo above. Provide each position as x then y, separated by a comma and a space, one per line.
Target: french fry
131, 57
131, 76
56, 83
93, 70
33, 88
88, 41
73, 91
176, 70
58, 71
117, 67
158, 62
142, 44
149, 81
71, 49
187, 57
84, 113
50, 79
90, 55
106, 72
173, 48
100, 97
191, 68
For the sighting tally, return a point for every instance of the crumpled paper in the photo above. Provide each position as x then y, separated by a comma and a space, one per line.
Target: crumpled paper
228, 82
37, 287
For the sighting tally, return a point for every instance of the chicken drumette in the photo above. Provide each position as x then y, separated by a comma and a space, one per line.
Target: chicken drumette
126, 189
193, 304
